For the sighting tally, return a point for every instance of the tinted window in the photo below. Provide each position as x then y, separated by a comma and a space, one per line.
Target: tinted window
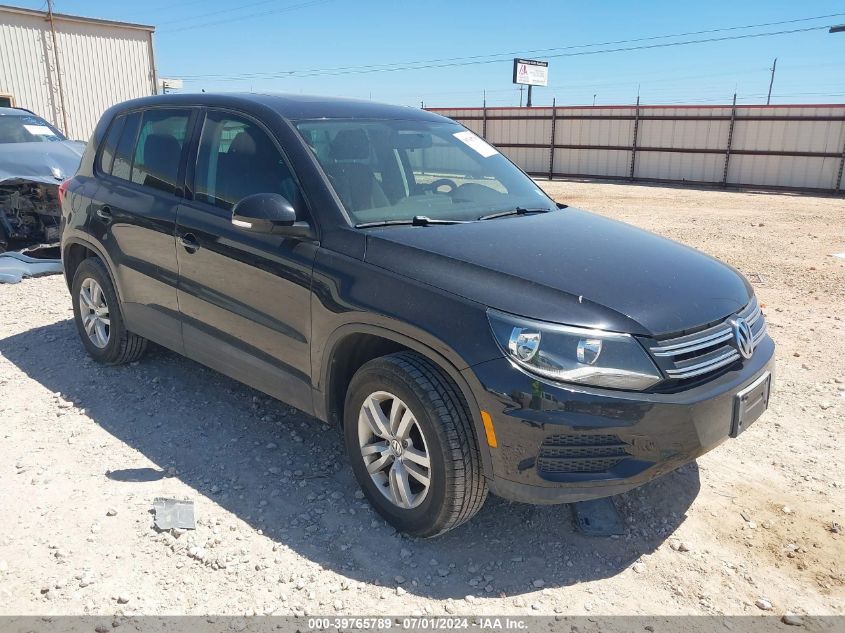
126, 146
236, 158
159, 148
110, 144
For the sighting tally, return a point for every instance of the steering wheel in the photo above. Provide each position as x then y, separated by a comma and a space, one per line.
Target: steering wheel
442, 182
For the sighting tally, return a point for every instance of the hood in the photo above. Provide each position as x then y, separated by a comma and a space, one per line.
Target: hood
48, 163
570, 267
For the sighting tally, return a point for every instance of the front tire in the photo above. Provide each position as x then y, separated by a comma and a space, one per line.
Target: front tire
412, 445
99, 320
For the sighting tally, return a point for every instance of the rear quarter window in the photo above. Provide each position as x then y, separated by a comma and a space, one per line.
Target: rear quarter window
126, 147
110, 145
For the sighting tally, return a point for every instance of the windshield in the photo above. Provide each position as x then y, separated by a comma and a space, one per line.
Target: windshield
396, 170
27, 128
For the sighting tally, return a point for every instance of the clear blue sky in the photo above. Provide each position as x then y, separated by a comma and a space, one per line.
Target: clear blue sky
213, 44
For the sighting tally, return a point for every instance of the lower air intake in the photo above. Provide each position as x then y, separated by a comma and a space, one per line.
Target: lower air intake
561, 454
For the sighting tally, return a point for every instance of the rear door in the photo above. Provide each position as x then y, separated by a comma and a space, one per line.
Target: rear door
134, 216
244, 297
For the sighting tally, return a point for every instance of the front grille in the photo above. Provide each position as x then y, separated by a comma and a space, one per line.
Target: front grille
707, 351
580, 453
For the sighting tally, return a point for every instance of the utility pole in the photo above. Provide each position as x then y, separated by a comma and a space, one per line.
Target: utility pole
521, 88
772, 81
594, 99
58, 67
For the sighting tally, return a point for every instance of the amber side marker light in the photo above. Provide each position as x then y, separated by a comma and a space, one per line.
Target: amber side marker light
488, 428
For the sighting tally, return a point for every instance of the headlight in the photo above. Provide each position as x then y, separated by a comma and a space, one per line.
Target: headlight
571, 354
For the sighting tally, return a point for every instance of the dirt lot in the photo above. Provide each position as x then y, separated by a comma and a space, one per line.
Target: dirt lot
282, 528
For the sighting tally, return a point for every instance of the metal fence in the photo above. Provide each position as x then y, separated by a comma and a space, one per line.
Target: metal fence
797, 147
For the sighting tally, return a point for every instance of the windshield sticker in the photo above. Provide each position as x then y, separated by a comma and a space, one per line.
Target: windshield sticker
40, 130
476, 143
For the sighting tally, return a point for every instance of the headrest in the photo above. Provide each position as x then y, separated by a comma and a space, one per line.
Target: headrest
161, 145
350, 145
243, 143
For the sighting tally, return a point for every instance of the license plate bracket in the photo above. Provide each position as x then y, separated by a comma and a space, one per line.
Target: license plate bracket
750, 403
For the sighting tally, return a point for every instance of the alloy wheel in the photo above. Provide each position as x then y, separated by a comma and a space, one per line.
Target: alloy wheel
94, 312
394, 449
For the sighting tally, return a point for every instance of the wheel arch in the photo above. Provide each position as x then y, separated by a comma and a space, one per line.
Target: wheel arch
353, 344
75, 250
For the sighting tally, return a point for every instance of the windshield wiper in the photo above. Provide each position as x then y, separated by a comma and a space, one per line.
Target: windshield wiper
417, 220
516, 211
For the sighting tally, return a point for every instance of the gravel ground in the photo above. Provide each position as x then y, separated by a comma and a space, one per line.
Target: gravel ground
752, 527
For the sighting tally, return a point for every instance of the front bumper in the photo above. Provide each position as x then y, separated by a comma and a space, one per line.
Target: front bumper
616, 440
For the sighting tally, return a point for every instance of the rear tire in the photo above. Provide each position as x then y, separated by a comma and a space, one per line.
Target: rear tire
418, 463
98, 317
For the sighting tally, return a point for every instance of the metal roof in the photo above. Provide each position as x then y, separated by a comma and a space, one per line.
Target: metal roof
75, 18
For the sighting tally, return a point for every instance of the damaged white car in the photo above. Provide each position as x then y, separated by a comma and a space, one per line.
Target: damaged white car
35, 158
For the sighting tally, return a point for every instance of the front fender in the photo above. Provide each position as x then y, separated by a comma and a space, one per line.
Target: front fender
444, 357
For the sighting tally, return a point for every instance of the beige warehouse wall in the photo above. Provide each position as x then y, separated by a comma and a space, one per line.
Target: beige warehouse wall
794, 146
101, 64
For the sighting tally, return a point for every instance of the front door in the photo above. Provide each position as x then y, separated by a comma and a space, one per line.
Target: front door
244, 297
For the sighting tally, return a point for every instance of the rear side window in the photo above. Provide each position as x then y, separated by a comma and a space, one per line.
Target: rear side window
126, 147
110, 145
159, 148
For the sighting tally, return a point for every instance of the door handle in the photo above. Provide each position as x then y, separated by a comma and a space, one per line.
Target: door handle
104, 213
189, 242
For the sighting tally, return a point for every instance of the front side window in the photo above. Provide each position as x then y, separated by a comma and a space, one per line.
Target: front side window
159, 148
395, 170
27, 128
237, 158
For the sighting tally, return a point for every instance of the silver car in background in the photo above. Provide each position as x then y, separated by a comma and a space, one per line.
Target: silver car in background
35, 158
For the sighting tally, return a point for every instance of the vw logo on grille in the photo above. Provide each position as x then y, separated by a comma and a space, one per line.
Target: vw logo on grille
743, 337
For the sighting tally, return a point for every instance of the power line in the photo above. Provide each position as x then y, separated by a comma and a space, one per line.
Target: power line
486, 59
576, 54
165, 5
293, 7
229, 10
317, 73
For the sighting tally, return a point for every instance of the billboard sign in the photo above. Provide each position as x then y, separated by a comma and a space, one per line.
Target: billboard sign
170, 84
530, 72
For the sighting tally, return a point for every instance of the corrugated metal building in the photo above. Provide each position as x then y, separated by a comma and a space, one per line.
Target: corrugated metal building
790, 146
70, 69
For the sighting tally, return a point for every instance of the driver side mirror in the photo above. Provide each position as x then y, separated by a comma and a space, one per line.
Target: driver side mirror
269, 213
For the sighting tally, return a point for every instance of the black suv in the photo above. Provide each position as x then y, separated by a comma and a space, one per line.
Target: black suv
386, 270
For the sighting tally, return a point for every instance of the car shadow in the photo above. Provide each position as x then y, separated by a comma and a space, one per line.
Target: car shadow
285, 473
